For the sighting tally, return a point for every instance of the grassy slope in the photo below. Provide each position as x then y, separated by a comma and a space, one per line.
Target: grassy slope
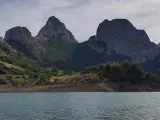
12, 76
8, 65
20, 71
113, 76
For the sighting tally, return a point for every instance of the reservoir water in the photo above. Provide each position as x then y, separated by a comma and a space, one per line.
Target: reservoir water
80, 106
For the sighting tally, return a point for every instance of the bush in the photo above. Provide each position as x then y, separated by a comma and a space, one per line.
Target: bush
122, 71
9, 77
3, 81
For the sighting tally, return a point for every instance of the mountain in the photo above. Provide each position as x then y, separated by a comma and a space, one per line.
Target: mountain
55, 46
20, 38
122, 37
54, 29
53, 39
57, 40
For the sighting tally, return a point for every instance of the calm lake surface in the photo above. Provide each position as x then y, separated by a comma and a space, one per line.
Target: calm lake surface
79, 106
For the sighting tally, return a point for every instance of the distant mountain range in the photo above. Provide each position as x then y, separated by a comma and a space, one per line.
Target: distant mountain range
56, 46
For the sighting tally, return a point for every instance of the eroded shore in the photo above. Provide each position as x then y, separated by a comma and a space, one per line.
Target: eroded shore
55, 88
77, 88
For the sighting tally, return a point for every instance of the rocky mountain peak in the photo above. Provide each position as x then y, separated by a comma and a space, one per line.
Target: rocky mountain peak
52, 37
19, 29
54, 28
122, 22
21, 34
122, 36
53, 20
115, 27
115, 23
20, 38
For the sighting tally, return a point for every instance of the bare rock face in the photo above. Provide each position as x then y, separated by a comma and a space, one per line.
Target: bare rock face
56, 39
98, 46
120, 35
52, 38
21, 39
54, 28
19, 34
115, 40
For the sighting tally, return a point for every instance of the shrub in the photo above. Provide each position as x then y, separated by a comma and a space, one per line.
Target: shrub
122, 71
9, 77
3, 81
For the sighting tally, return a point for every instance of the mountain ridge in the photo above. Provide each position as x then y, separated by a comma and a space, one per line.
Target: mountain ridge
55, 45
121, 35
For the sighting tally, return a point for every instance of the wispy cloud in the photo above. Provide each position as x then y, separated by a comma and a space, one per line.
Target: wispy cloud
80, 16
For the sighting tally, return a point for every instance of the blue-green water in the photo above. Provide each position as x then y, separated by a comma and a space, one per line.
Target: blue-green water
80, 106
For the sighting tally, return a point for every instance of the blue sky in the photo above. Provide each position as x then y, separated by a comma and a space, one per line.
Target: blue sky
81, 17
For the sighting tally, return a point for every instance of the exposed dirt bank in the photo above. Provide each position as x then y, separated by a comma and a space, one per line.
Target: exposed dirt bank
58, 88
102, 87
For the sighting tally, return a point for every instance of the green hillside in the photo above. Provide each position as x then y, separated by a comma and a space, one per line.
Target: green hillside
20, 71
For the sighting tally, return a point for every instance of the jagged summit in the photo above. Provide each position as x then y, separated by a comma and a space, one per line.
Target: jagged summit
115, 39
52, 37
53, 19
19, 34
122, 36
19, 29
20, 38
121, 21
116, 22
54, 29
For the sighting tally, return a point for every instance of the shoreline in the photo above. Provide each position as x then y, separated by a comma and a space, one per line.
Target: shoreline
73, 88
55, 88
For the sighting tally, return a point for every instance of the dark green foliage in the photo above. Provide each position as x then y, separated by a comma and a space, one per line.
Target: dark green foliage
7, 59
3, 81
125, 71
93, 69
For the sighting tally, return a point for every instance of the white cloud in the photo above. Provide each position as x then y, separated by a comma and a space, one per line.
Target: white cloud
81, 16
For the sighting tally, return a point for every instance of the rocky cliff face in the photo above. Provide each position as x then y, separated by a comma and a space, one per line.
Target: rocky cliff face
57, 40
120, 35
99, 46
21, 39
41, 47
55, 29
55, 45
